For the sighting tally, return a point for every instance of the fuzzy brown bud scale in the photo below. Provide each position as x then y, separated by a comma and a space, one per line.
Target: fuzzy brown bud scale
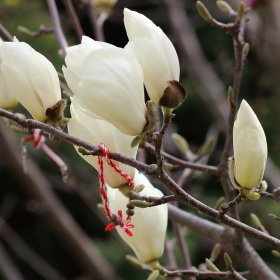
173, 96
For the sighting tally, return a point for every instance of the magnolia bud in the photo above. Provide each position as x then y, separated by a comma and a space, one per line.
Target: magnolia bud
150, 223
250, 150
158, 59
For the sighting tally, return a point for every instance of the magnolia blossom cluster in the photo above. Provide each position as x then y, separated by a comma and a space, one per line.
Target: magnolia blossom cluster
108, 106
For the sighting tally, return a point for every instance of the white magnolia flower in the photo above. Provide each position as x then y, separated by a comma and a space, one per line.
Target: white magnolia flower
150, 224
155, 53
108, 81
97, 131
7, 98
250, 148
31, 78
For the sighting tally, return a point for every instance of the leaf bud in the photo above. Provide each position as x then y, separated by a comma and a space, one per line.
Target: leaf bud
139, 203
207, 146
240, 12
227, 260
134, 261
203, 11
211, 266
219, 202
181, 143
246, 49
256, 221
101, 208
215, 252
276, 253
138, 188
154, 275
224, 7
230, 94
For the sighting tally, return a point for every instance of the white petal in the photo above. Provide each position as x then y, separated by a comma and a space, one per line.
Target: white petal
71, 78
23, 92
44, 79
156, 67
123, 142
150, 223
117, 66
139, 26
77, 129
250, 158
112, 103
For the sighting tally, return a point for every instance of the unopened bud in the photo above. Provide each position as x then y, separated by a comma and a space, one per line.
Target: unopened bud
272, 216
230, 94
203, 11
168, 165
207, 146
101, 208
152, 116
138, 188
134, 261
227, 260
139, 203
256, 221
215, 252
240, 12
211, 266
103, 5
219, 202
246, 49
263, 187
83, 151
224, 7
173, 96
276, 253
181, 143
154, 275
250, 194
125, 190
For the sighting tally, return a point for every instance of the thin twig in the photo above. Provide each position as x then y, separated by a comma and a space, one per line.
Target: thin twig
182, 163
57, 26
4, 34
153, 171
74, 18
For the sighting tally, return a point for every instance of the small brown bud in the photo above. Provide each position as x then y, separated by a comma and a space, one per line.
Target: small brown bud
173, 96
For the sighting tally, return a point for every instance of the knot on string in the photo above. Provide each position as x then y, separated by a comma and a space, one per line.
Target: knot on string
115, 220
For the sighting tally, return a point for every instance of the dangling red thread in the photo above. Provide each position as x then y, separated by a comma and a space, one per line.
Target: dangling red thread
124, 224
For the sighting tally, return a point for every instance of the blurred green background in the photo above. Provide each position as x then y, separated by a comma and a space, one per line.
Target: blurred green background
25, 215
